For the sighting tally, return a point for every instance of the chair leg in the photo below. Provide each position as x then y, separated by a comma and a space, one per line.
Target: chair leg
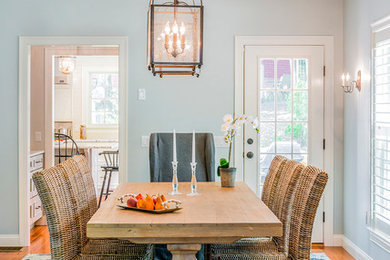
101, 191
108, 186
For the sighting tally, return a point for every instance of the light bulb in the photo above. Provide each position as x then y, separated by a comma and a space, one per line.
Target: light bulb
175, 28
182, 28
167, 28
348, 77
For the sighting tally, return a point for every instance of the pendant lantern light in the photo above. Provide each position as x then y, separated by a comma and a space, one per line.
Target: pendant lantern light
175, 38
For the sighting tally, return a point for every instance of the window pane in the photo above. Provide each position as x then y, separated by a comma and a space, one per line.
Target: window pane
98, 92
283, 105
284, 74
300, 74
300, 134
283, 144
301, 106
111, 118
97, 117
267, 106
97, 105
267, 137
104, 93
267, 74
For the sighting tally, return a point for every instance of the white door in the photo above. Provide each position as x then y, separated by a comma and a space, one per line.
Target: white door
284, 89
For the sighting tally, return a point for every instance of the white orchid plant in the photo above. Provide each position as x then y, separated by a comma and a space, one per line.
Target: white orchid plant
230, 127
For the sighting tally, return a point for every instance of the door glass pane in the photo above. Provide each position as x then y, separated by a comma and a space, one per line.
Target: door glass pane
284, 74
300, 74
267, 138
301, 106
283, 105
300, 131
283, 144
267, 73
284, 111
267, 104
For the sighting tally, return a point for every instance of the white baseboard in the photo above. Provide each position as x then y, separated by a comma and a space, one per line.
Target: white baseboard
9, 240
350, 247
338, 240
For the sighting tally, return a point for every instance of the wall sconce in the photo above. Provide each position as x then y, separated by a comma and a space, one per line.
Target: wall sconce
349, 85
66, 64
175, 38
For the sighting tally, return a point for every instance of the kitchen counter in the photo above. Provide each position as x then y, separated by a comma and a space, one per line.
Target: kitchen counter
94, 144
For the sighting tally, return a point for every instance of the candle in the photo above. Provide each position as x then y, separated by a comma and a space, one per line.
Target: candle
174, 146
193, 146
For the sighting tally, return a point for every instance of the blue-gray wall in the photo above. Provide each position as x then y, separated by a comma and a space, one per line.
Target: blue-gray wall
359, 15
184, 103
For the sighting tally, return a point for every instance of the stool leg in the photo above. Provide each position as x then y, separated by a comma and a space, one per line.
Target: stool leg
109, 181
101, 191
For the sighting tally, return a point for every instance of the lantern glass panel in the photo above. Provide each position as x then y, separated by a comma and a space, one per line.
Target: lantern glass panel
176, 35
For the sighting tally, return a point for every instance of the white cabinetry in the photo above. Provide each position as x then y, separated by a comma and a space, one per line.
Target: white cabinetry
35, 205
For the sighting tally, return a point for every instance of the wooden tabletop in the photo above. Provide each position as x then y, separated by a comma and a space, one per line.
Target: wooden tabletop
218, 215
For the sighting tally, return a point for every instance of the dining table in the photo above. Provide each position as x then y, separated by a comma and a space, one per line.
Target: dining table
217, 215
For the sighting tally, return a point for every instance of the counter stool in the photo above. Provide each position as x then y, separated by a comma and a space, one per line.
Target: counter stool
112, 165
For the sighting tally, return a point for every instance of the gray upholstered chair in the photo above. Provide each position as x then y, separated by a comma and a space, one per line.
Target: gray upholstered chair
69, 201
160, 156
160, 159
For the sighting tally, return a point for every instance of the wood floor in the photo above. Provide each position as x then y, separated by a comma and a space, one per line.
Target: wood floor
40, 244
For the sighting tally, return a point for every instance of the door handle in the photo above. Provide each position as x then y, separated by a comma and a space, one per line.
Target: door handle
249, 155
249, 141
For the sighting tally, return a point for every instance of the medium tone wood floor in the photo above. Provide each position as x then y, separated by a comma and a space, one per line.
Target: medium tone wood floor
40, 244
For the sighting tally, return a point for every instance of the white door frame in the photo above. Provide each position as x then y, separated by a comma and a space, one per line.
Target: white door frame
328, 43
25, 43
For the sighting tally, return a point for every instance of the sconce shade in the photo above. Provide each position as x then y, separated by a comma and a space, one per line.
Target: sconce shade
66, 64
175, 38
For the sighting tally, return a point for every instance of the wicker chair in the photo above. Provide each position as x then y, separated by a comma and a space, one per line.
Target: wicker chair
272, 178
297, 220
69, 201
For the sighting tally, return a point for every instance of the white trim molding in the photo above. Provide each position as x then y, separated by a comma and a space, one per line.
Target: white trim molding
11, 240
380, 238
354, 250
239, 85
25, 43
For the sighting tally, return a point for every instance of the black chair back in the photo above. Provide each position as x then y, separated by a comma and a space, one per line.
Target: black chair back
67, 147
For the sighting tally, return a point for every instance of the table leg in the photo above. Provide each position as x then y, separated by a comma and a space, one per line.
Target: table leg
184, 251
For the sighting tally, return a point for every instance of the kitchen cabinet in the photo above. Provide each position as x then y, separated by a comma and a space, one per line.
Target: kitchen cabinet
35, 205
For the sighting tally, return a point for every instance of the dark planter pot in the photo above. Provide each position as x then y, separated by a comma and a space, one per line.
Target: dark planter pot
228, 176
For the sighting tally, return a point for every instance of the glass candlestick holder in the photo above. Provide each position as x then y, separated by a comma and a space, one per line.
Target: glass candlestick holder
175, 181
194, 183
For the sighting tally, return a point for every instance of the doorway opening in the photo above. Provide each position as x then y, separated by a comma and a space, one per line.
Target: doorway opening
73, 101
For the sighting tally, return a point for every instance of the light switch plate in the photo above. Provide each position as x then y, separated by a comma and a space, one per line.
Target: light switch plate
145, 141
141, 94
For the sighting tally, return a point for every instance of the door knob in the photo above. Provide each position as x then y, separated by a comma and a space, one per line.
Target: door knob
249, 155
249, 141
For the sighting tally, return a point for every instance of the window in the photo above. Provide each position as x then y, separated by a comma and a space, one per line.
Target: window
380, 136
103, 93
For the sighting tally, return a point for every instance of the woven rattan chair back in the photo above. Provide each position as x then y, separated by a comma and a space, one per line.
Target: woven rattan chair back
272, 178
84, 207
82, 163
284, 195
62, 218
308, 194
